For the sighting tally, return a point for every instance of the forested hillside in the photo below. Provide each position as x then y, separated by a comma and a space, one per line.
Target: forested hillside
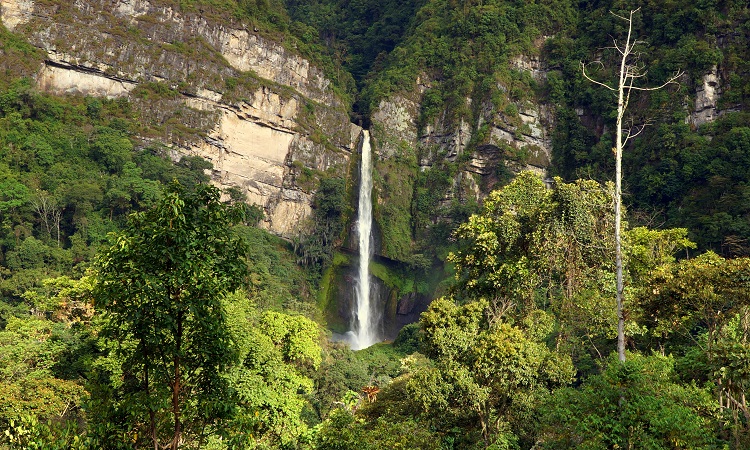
178, 191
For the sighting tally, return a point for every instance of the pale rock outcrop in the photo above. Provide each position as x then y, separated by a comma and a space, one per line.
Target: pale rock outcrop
706, 98
531, 132
531, 64
523, 128
66, 80
96, 41
534, 135
255, 137
252, 147
291, 208
15, 12
132, 8
247, 51
450, 143
397, 118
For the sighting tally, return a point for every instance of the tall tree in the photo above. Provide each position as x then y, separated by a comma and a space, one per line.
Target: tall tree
531, 246
160, 286
631, 69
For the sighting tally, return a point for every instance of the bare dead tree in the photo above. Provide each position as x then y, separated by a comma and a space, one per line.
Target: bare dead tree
49, 213
631, 70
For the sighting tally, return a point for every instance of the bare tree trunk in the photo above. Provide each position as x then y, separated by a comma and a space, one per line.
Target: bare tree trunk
630, 70
41, 205
618, 201
49, 213
56, 218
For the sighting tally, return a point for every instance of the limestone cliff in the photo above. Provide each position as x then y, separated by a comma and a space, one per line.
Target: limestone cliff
517, 137
202, 86
706, 99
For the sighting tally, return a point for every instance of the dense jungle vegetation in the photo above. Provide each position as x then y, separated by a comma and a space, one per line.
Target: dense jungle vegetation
140, 310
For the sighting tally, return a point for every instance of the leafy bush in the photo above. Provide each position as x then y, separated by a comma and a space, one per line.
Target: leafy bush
637, 403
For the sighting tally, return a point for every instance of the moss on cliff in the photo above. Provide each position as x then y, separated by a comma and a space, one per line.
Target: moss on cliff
18, 58
393, 185
329, 292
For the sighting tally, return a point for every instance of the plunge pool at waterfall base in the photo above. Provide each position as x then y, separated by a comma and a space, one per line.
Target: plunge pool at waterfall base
350, 338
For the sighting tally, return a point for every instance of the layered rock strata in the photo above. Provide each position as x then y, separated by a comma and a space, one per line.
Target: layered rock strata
250, 106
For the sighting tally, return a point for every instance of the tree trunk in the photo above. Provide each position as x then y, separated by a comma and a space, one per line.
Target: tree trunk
177, 384
151, 414
629, 72
618, 210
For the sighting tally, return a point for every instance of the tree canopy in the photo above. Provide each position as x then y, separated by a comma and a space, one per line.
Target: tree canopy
160, 286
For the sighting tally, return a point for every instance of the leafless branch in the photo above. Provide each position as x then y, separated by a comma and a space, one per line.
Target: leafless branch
617, 47
630, 135
671, 80
583, 69
625, 18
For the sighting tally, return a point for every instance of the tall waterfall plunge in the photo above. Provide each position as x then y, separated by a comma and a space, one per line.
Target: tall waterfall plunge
365, 318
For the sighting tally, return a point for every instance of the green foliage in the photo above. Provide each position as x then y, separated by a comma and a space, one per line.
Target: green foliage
153, 91
253, 213
572, 143
527, 236
729, 362
29, 350
42, 394
703, 292
689, 173
160, 286
275, 280
483, 375
341, 371
636, 404
409, 338
111, 149
434, 220
28, 433
331, 208
344, 373
275, 351
395, 278
698, 308
18, 58
535, 248
70, 173
343, 431
465, 47
357, 33
393, 186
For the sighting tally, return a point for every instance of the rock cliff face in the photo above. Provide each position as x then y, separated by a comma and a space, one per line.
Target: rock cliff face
15, 12
519, 137
253, 108
263, 115
706, 99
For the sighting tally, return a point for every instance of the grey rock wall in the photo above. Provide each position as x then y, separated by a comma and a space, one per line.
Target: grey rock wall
258, 135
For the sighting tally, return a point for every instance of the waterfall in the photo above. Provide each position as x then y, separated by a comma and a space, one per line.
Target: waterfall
365, 319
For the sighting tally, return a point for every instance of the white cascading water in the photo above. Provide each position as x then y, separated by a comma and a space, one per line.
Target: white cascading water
366, 319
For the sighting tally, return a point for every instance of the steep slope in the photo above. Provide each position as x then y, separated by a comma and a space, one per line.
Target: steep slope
459, 107
481, 89
689, 168
206, 85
